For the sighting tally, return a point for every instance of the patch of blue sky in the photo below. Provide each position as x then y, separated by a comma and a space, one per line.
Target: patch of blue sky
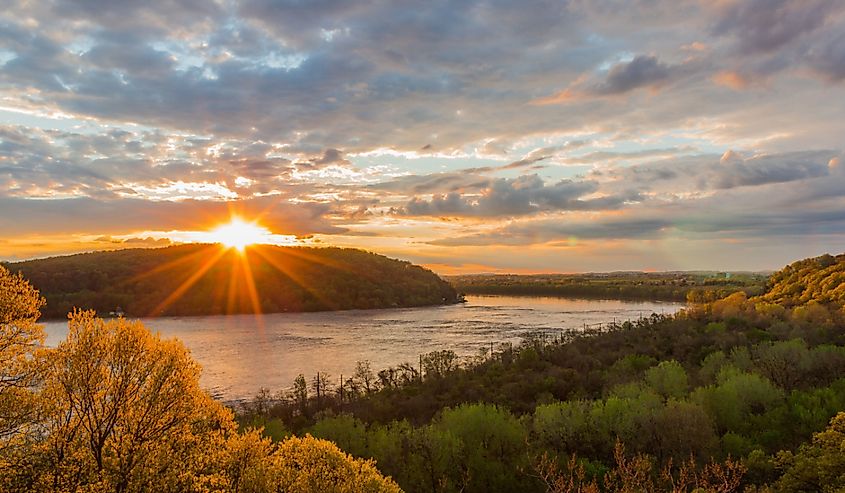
621, 57
66, 123
184, 57
80, 45
286, 61
422, 164
7, 56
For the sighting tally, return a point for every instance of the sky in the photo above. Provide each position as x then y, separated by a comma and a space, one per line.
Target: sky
468, 136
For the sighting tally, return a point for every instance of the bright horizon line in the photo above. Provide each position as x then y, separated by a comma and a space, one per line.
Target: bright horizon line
436, 268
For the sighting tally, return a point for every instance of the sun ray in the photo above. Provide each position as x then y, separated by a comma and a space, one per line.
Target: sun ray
172, 264
232, 294
252, 291
190, 281
293, 276
298, 252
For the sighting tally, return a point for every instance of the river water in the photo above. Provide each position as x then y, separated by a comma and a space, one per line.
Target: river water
241, 353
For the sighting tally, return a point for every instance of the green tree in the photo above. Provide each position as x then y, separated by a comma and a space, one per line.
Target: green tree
492, 446
818, 466
669, 379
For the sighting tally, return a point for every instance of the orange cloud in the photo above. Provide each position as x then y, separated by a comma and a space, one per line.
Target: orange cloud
732, 79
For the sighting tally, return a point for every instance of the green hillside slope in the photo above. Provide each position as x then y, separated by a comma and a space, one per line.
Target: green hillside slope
207, 280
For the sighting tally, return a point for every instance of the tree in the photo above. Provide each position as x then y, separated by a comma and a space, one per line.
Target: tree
365, 376
19, 338
492, 447
668, 379
438, 363
321, 385
121, 406
305, 465
818, 466
300, 393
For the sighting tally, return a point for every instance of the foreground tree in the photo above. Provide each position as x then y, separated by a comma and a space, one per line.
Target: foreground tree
300, 465
116, 408
119, 404
818, 466
19, 338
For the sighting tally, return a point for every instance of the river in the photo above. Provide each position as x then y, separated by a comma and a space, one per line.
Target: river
241, 353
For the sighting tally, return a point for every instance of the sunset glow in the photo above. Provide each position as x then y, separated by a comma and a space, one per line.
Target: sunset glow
239, 234
702, 148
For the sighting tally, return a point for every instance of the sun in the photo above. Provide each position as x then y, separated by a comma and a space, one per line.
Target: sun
239, 234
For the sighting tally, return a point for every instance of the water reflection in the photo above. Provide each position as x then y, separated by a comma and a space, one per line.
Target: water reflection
239, 355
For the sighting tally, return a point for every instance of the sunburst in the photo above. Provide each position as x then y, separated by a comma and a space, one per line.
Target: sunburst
244, 243
239, 234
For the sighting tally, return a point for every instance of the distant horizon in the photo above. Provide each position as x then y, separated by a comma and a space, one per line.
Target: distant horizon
456, 273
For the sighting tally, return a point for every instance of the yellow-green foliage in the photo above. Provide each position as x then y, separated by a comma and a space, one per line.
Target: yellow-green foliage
18, 337
254, 464
301, 465
818, 466
807, 293
115, 408
820, 279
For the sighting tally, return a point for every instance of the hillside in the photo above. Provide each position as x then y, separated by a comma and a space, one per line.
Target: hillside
208, 280
820, 279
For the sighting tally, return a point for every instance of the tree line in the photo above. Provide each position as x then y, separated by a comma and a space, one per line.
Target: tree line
666, 286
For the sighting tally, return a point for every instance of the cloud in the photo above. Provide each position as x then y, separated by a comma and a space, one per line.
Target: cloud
126, 216
659, 224
828, 58
708, 173
117, 116
146, 242
643, 71
766, 25
527, 194
434, 183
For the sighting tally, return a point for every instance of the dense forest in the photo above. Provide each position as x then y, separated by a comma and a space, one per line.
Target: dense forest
745, 393
210, 280
739, 394
666, 286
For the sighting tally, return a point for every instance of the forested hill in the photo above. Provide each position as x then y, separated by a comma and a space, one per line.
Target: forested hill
209, 280
820, 279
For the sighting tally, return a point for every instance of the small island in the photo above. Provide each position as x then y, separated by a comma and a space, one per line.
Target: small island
208, 279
